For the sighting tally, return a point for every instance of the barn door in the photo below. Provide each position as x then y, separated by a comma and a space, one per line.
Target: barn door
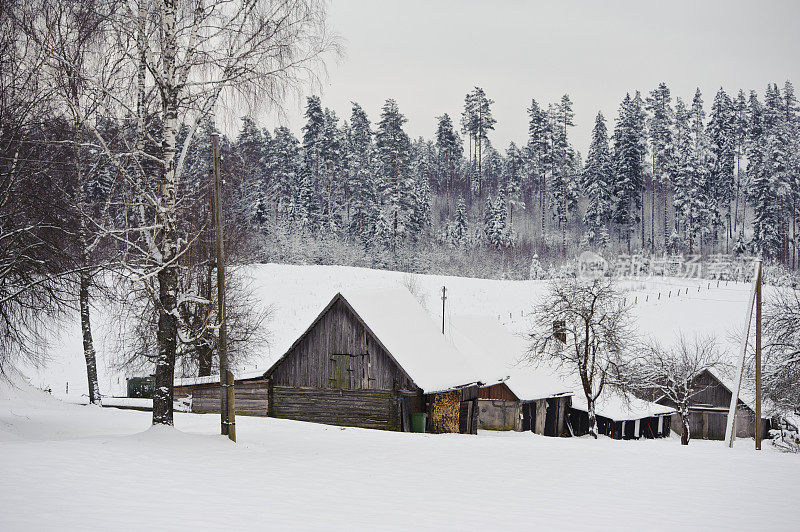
340, 372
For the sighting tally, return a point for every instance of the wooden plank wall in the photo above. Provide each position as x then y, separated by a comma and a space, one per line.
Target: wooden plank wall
251, 397
309, 364
372, 409
499, 391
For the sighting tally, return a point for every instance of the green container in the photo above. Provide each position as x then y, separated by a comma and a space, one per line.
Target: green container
141, 387
418, 421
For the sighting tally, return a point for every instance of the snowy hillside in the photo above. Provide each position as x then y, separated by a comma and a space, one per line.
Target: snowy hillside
664, 307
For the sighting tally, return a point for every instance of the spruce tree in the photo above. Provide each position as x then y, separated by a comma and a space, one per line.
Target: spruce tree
597, 178
449, 152
362, 189
740, 134
393, 154
628, 168
659, 126
722, 143
539, 156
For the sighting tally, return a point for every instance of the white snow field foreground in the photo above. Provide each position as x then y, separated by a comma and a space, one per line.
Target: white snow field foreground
69, 467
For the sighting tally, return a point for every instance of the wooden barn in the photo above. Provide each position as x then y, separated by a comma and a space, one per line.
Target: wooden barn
371, 359
622, 417
708, 411
523, 397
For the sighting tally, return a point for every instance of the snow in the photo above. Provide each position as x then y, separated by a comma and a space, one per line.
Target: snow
68, 467
490, 345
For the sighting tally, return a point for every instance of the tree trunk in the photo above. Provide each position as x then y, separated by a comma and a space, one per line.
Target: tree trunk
685, 433
167, 343
167, 330
592, 418
85, 276
88, 344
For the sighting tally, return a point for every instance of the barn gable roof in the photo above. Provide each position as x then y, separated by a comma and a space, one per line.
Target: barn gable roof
408, 335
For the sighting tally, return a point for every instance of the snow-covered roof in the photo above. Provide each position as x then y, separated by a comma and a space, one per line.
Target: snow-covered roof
411, 336
499, 354
618, 407
212, 379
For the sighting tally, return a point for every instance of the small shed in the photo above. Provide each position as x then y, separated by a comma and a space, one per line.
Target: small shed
708, 410
622, 417
522, 397
371, 359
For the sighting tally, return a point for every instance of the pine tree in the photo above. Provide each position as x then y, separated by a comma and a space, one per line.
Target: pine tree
314, 138
477, 120
662, 116
628, 168
513, 173
740, 134
250, 150
691, 189
331, 151
286, 172
459, 228
394, 150
362, 187
722, 143
791, 125
539, 156
597, 177
449, 152
564, 185
770, 179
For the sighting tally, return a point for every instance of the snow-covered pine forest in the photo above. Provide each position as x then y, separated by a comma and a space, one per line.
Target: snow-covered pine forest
666, 175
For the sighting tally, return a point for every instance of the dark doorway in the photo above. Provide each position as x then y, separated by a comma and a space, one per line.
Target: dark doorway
529, 417
551, 418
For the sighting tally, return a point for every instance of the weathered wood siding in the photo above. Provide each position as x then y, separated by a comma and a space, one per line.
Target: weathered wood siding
371, 409
499, 391
708, 412
312, 364
497, 414
712, 424
250, 397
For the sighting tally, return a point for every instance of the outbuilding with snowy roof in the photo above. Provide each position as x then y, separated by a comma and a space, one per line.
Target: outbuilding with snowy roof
372, 359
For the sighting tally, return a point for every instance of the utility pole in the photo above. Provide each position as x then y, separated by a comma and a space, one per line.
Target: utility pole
730, 431
226, 394
444, 298
758, 359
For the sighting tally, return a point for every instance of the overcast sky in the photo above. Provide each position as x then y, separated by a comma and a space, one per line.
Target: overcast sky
428, 54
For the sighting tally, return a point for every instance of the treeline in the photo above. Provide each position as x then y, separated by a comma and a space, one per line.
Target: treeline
670, 178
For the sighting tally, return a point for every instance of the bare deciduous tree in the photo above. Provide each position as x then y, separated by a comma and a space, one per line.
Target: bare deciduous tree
672, 372
584, 327
781, 349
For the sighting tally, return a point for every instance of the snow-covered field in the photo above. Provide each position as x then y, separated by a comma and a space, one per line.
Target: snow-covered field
69, 467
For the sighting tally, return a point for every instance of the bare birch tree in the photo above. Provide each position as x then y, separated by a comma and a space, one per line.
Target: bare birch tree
585, 328
194, 53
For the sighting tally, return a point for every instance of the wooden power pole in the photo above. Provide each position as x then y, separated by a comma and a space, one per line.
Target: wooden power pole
753, 301
226, 394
